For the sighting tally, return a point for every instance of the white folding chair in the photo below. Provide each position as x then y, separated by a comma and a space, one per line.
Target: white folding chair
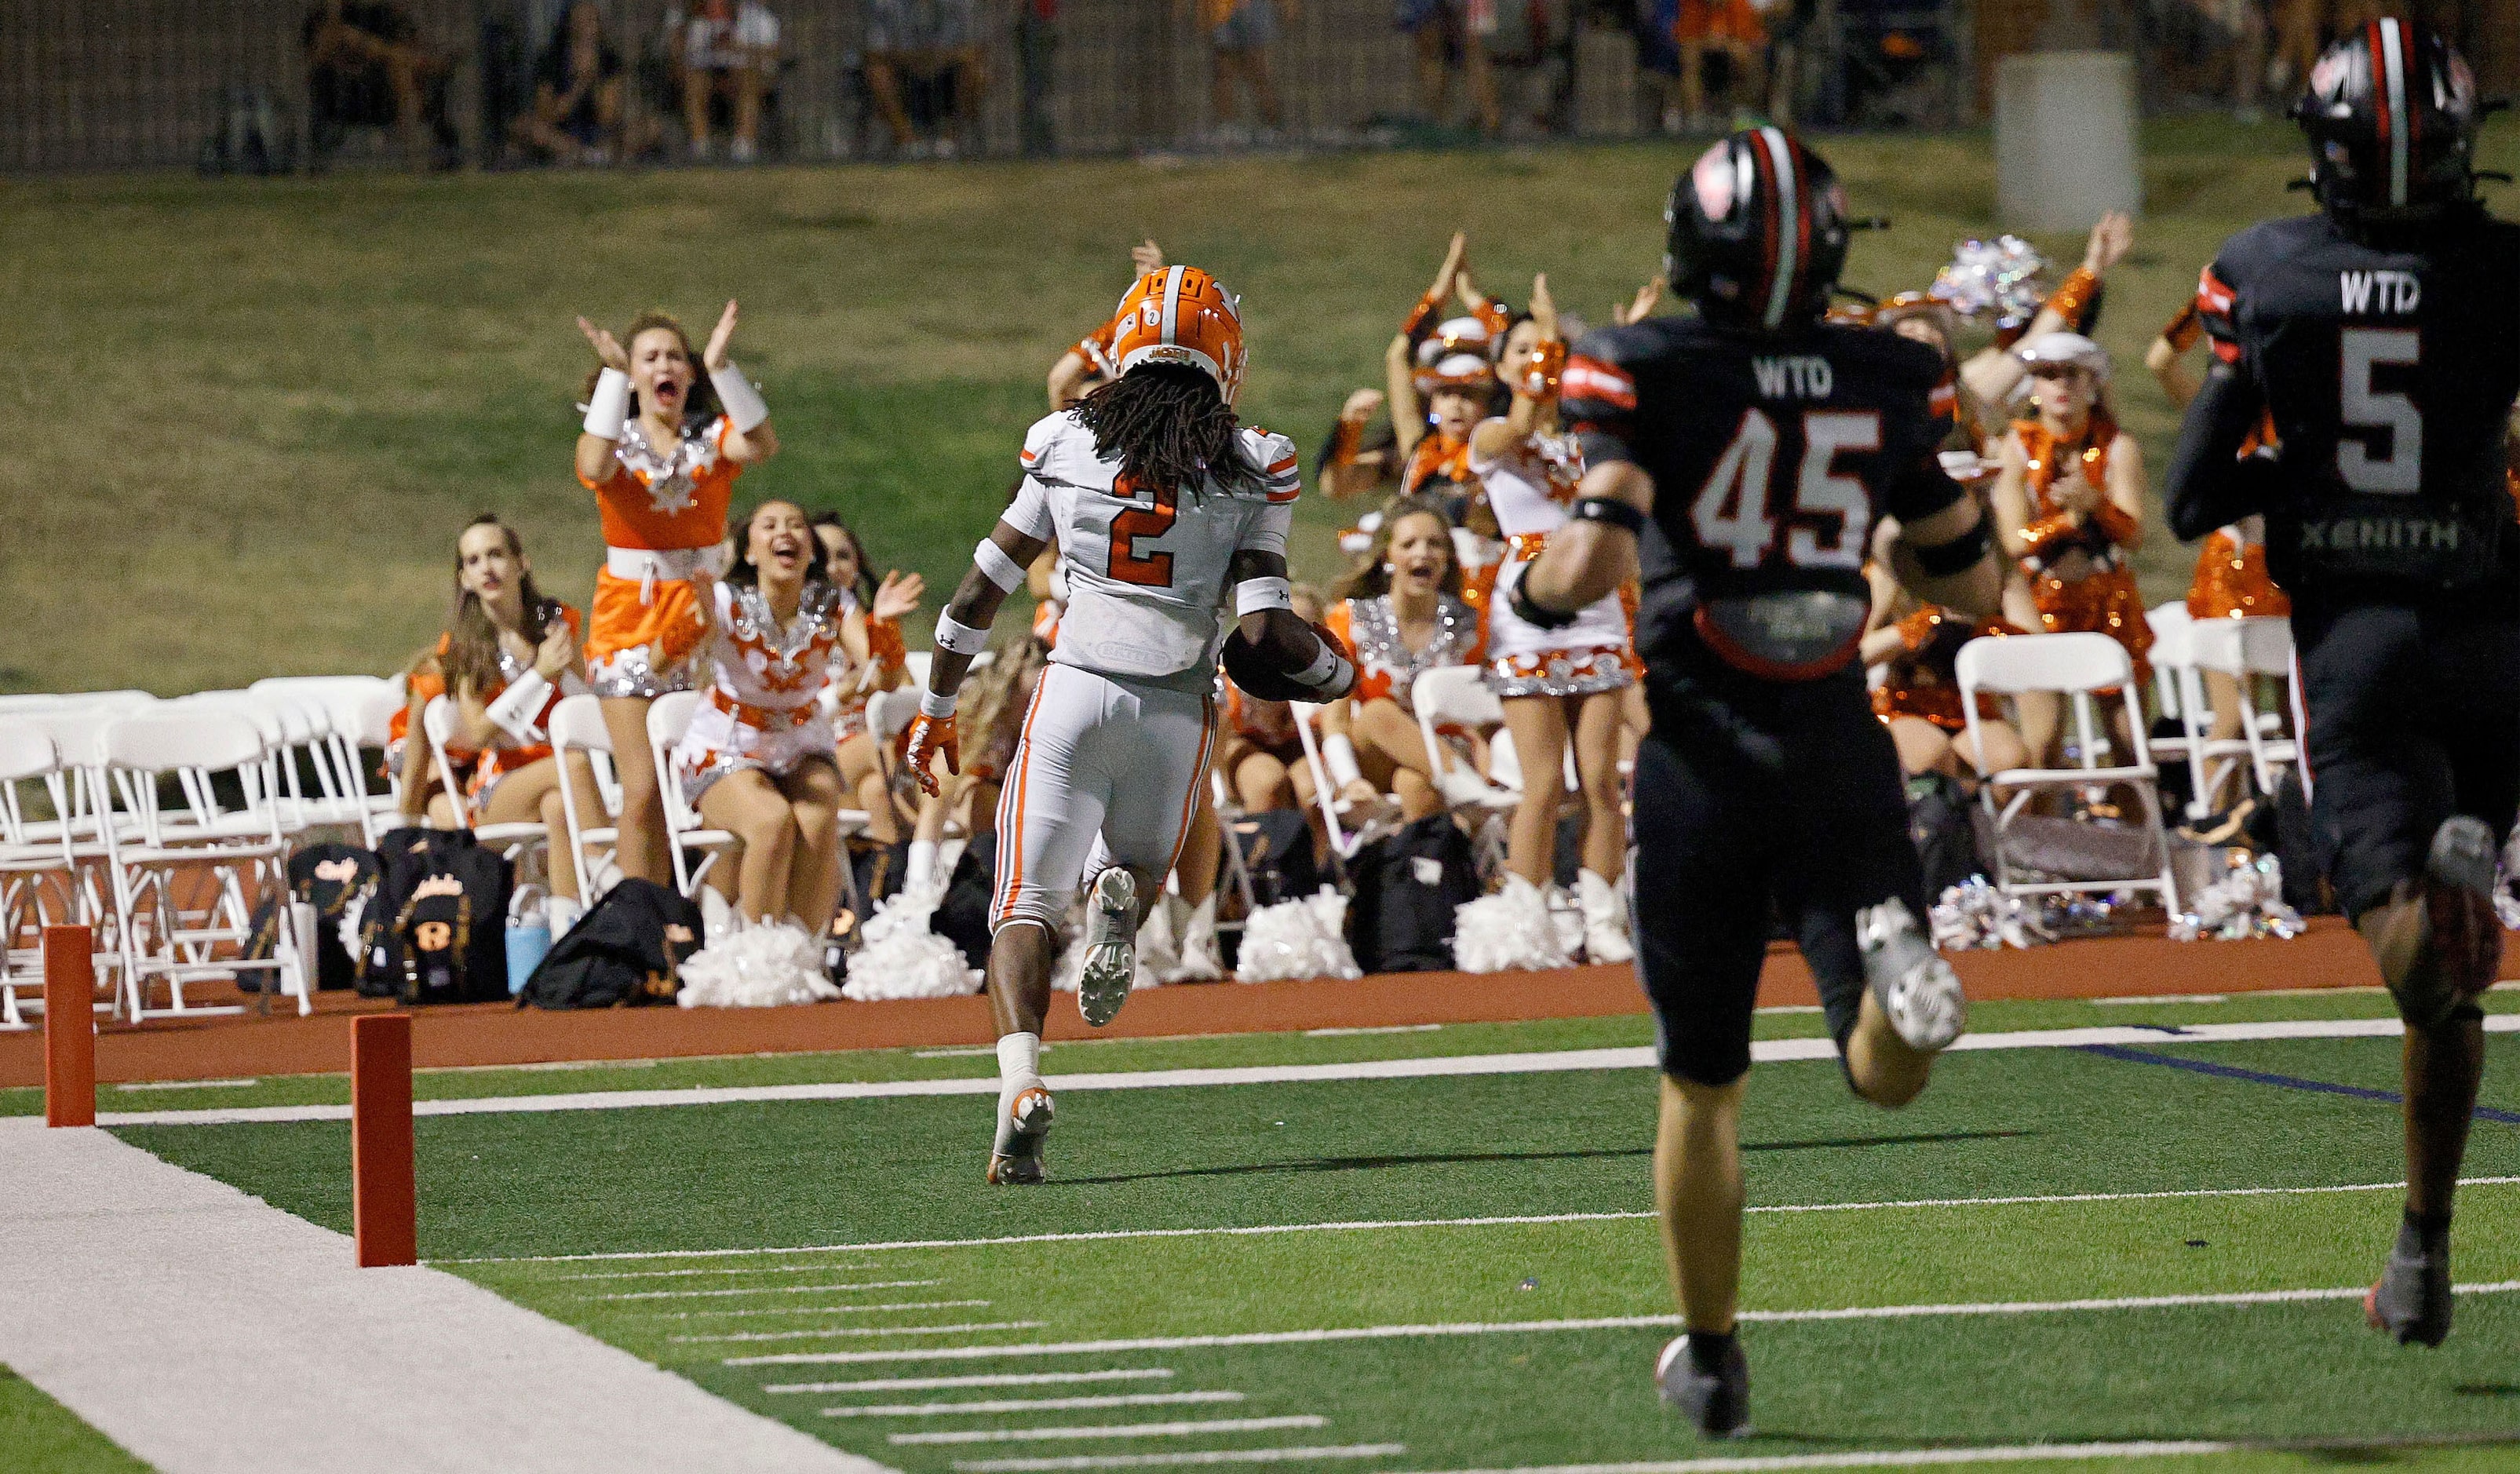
2077, 665
669, 716
2246, 649
82, 804
577, 725
27, 863
202, 747
2178, 642
514, 839
349, 713
1344, 841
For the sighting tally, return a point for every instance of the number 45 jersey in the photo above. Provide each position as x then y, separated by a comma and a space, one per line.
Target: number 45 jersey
1147, 565
1772, 460
2390, 376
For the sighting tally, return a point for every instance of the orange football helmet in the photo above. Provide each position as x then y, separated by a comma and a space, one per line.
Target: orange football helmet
1181, 315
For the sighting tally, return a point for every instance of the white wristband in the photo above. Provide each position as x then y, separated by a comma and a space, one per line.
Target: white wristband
937, 707
516, 708
1256, 593
995, 566
1326, 670
962, 639
1338, 754
735, 394
608, 408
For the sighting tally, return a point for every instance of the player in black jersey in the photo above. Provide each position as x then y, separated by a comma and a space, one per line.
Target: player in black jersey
1739, 460
2383, 335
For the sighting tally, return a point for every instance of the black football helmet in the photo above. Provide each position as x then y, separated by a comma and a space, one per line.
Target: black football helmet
2392, 115
1758, 232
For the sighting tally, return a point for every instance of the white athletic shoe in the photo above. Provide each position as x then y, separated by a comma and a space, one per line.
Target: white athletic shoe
1918, 989
1015, 1159
1111, 946
1605, 919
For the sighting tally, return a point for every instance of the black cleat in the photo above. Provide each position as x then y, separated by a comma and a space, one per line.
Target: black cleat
1717, 1400
2411, 1302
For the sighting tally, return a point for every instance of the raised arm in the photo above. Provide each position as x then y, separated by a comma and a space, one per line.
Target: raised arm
608, 408
749, 438
1994, 373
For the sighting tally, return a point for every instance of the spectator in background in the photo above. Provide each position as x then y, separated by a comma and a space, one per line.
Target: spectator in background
1239, 34
366, 67
1655, 25
1435, 29
723, 51
1730, 28
924, 67
577, 115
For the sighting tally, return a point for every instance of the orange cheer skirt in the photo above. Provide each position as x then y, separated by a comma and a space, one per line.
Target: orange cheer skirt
2106, 602
2232, 581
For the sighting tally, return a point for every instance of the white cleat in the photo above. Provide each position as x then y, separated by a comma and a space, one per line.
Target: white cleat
1015, 1158
1111, 946
1916, 988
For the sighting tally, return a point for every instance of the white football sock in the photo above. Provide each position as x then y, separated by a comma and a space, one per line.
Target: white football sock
923, 864
1018, 1065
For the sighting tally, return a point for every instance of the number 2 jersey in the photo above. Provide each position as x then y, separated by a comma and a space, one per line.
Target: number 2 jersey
1147, 566
2389, 375
1772, 459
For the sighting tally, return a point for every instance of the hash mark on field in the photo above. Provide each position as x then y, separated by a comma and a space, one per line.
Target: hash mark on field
1112, 1430
1169, 1460
1884, 1459
823, 1309
1031, 1404
983, 1379
863, 1330
791, 1268
1601, 1322
770, 1289
1377, 1029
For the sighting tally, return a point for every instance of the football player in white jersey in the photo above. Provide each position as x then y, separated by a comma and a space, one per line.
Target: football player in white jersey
1161, 504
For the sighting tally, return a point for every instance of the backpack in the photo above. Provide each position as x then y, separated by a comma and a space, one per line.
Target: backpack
1406, 887
627, 949
1941, 824
1278, 851
879, 869
435, 931
333, 879
962, 915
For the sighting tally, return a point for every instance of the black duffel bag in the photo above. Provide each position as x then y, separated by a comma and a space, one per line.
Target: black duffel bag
1408, 886
627, 949
435, 931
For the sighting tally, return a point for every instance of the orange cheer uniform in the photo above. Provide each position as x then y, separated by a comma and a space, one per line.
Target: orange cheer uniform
2231, 579
664, 523
1924, 679
2105, 600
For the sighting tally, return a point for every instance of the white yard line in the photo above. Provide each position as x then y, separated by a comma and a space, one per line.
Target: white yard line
864, 1330
1031, 1404
207, 1332
1364, 1225
791, 1268
1884, 1459
1112, 1430
768, 1289
1182, 1460
982, 1379
818, 1310
1374, 1029
1599, 1322
188, 1085
1771, 1051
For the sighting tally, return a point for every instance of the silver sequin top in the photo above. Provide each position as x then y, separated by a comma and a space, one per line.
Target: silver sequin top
1386, 665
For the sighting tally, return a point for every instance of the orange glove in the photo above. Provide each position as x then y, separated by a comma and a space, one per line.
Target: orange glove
928, 738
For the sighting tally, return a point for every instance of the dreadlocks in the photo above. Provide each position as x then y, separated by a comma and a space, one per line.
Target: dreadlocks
1169, 426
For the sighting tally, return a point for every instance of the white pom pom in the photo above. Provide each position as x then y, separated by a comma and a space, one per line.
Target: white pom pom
1297, 939
1510, 929
760, 966
902, 958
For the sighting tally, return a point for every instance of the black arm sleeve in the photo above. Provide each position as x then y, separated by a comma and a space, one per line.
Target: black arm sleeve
2210, 485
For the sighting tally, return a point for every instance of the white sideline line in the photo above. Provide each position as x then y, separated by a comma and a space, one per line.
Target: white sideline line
1176, 1460
822, 1309
864, 1330
1886, 1458
1031, 1404
768, 1289
1377, 1029
188, 1085
793, 1269
1112, 1430
1599, 1322
2157, 999
1638, 1057
1505, 1221
985, 1379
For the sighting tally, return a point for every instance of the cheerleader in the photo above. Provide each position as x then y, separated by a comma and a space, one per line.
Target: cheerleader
2069, 500
507, 657
1402, 613
1560, 684
1918, 647
660, 450
872, 658
757, 760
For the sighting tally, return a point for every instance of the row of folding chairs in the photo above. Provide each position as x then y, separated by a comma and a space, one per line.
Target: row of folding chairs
159, 822
2252, 651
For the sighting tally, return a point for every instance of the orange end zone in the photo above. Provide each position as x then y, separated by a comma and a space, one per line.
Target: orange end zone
2327, 955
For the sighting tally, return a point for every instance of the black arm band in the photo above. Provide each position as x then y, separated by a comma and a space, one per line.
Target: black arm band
1518, 599
1959, 555
1610, 510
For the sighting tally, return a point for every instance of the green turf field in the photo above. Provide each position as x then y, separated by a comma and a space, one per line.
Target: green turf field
259, 409
2055, 1246
39, 1436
